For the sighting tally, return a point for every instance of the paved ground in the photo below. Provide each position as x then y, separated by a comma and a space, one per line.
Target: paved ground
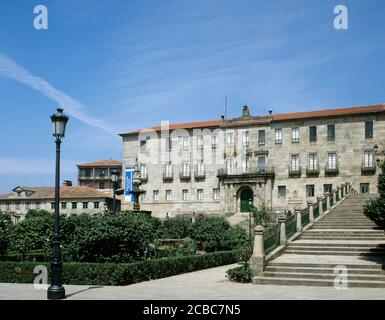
207, 284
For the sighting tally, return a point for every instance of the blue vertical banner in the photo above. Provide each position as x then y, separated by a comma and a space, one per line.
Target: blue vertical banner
128, 185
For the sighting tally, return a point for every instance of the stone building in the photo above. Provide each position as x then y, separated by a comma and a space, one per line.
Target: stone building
282, 160
97, 174
73, 200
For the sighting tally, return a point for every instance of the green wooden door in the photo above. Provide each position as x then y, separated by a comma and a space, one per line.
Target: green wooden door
246, 200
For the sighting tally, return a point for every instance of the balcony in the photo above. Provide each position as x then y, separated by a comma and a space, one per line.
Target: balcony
168, 176
368, 168
295, 171
312, 170
246, 172
331, 170
200, 175
185, 175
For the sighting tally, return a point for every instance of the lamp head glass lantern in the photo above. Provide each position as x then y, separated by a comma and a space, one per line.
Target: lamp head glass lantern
375, 148
115, 175
59, 122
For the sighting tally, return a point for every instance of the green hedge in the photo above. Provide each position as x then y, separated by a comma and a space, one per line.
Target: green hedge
122, 273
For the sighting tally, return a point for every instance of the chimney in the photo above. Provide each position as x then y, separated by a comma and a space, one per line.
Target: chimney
270, 111
67, 183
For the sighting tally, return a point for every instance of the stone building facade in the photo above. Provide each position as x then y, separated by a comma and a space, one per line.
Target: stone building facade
282, 160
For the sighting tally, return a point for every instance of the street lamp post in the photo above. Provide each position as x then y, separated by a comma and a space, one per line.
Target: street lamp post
56, 290
115, 184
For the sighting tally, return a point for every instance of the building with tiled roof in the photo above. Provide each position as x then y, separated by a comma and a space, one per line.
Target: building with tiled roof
73, 200
282, 160
97, 174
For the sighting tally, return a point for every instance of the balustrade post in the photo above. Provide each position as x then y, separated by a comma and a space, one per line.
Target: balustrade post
320, 208
282, 229
334, 197
257, 260
299, 220
339, 194
327, 194
311, 211
342, 191
193, 217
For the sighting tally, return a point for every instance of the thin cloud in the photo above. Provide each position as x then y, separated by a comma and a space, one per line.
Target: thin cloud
11, 70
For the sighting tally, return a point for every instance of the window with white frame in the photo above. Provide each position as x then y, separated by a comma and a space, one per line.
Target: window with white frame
214, 141
245, 165
200, 168
261, 137
184, 194
168, 195
230, 139
278, 135
245, 138
156, 195
295, 135
368, 159
186, 169
200, 142
332, 160
199, 194
313, 164
282, 192
168, 169
186, 142
295, 162
143, 170
310, 190
229, 166
216, 194
143, 146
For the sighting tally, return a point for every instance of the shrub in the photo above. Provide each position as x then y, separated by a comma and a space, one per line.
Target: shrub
240, 274
236, 238
120, 274
174, 228
6, 226
375, 210
262, 215
182, 247
32, 213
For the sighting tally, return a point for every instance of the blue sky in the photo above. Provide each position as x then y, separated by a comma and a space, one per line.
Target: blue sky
120, 65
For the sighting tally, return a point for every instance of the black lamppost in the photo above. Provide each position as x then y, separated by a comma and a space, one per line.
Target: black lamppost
115, 185
56, 289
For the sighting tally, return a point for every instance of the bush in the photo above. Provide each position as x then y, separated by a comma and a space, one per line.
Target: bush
6, 226
375, 210
182, 247
262, 215
236, 238
33, 255
120, 274
240, 274
174, 228
32, 213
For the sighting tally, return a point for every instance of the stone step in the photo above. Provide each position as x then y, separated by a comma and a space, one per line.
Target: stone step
326, 265
339, 238
344, 227
326, 244
335, 252
329, 276
316, 282
299, 269
335, 248
345, 232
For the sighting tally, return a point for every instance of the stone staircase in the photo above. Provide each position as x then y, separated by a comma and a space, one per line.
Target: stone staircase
344, 237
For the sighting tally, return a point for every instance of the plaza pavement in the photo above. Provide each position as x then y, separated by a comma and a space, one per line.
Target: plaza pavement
207, 284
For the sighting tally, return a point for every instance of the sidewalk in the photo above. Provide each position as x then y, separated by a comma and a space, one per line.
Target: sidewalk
207, 284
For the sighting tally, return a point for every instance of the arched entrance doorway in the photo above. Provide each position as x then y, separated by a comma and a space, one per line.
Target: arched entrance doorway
246, 198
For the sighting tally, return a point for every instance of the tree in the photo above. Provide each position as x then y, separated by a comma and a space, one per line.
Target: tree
174, 228
263, 215
32, 213
6, 226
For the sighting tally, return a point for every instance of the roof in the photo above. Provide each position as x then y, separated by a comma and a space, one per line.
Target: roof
65, 193
274, 117
102, 163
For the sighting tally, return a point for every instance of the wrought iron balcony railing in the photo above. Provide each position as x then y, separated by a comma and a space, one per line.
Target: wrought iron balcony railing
312, 170
331, 169
168, 176
368, 168
295, 171
185, 175
245, 171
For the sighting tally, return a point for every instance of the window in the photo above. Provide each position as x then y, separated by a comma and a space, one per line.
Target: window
261, 164
143, 146
101, 185
295, 162
368, 159
368, 129
156, 195
7, 206
185, 195
295, 135
168, 195
17, 219
64, 205
313, 133
168, 169
200, 168
331, 132
245, 138
328, 188
74, 205
200, 142
214, 141
310, 190
282, 192
332, 161
168, 144
85, 205
17, 205
88, 172
313, 163
37, 205
18, 193
96, 205
245, 165
261, 137
216, 194
143, 170
229, 166
27, 206
230, 139
185, 142
143, 195
186, 169
200, 194
102, 173
364, 187
278, 136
